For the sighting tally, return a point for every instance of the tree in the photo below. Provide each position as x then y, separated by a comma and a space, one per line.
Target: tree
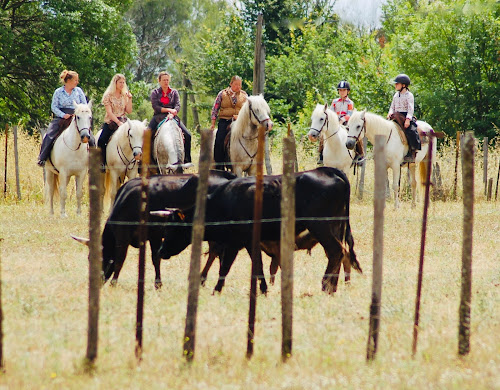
450, 50
158, 26
38, 39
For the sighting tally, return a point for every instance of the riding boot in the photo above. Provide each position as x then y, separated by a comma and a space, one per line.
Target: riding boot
48, 142
103, 161
360, 154
321, 146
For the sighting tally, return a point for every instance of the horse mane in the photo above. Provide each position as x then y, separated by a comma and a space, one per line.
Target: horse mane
377, 122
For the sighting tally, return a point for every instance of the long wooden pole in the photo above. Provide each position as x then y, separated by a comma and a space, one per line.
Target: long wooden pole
378, 244
256, 253
2, 364
468, 222
485, 164
143, 233
457, 151
196, 240
422, 248
287, 245
6, 154
498, 177
16, 160
95, 253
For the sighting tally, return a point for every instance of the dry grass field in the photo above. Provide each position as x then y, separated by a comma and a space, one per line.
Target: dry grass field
44, 276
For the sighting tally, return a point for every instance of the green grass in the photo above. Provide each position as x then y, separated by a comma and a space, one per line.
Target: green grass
45, 301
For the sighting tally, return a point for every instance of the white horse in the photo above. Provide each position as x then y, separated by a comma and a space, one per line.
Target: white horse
325, 124
244, 133
366, 123
168, 148
69, 157
123, 153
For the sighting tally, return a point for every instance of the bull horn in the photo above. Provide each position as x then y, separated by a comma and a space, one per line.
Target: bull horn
81, 240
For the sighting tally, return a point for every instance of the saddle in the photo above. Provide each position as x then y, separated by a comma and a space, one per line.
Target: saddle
63, 125
423, 135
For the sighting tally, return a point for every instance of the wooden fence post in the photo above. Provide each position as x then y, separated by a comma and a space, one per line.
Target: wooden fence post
95, 253
468, 201
457, 150
485, 164
2, 364
498, 177
363, 169
256, 234
287, 245
422, 248
490, 187
196, 240
143, 234
16, 160
378, 244
5, 166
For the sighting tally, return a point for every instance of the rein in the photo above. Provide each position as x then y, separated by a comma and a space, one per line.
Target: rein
79, 133
128, 163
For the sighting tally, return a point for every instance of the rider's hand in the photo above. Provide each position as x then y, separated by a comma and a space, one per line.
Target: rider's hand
212, 127
66, 116
407, 123
170, 116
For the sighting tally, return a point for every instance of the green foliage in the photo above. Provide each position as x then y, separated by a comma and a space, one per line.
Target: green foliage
450, 50
158, 26
38, 39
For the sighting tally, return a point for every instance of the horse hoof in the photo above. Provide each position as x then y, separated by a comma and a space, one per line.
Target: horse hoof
113, 283
158, 285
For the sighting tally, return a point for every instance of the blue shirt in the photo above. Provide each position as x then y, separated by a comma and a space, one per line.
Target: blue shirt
62, 99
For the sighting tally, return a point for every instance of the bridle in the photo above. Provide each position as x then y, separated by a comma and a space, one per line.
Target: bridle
250, 113
121, 154
79, 133
356, 137
322, 127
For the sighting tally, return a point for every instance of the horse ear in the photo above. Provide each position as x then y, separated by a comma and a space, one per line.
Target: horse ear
362, 115
75, 104
145, 122
89, 104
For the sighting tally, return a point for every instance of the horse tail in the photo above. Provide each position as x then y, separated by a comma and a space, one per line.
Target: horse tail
52, 180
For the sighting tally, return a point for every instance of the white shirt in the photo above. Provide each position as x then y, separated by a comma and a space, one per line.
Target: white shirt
403, 102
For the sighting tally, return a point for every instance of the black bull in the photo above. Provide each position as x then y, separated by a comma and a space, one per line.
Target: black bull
322, 208
121, 229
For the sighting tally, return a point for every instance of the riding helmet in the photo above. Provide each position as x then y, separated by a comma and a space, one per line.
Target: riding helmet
403, 79
344, 85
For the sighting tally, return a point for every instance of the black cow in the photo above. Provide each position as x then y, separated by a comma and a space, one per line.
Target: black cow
121, 229
322, 208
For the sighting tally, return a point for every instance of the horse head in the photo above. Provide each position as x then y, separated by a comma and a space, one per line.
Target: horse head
83, 120
355, 127
320, 119
135, 135
259, 112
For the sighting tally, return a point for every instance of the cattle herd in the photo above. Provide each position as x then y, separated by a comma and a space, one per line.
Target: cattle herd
322, 216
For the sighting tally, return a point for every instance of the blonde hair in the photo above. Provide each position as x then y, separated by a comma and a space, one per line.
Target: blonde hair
67, 75
112, 85
234, 78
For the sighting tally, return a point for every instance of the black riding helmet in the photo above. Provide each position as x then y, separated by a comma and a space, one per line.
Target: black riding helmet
403, 79
344, 85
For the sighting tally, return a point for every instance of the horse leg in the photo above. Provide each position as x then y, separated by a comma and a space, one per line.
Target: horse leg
63, 183
396, 172
413, 183
50, 182
79, 179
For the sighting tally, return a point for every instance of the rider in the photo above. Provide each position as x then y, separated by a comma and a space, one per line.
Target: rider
166, 104
227, 105
117, 101
62, 107
403, 103
343, 107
